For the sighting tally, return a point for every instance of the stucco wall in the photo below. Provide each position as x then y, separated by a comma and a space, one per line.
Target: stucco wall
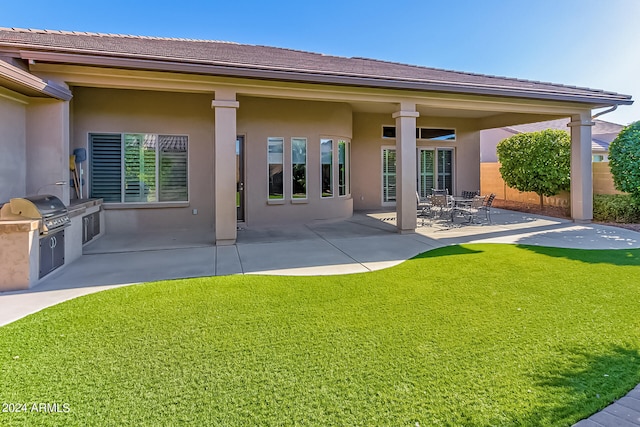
489, 139
367, 146
112, 110
261, 118
48, 148
13, 161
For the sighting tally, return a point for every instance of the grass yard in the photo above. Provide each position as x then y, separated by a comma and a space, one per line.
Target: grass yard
472, 335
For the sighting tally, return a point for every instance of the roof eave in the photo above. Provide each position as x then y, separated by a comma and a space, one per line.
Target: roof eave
32, 83
238, 70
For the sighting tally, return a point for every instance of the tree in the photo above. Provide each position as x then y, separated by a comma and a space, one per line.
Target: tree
536, 161
624, 160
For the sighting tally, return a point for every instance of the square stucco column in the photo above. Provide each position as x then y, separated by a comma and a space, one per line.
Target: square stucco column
225, 135
406, 167
581, 174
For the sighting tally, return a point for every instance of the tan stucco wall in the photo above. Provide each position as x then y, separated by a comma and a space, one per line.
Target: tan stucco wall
366, 163
13, 161
261, 118
48, 147
112, 110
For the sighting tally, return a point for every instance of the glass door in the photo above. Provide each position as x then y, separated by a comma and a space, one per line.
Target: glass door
435, 170
445, 169
240, 177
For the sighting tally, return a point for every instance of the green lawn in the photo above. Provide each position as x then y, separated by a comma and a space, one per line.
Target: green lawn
472, 335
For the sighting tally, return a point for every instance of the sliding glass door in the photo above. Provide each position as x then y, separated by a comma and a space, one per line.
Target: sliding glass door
434, 170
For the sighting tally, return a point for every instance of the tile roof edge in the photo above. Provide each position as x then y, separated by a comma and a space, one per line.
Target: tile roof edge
593, 91
115, 35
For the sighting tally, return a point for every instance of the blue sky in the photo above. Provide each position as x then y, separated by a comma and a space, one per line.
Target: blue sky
591, 43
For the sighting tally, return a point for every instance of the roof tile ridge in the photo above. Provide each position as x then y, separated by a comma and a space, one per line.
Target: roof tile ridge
113, 35
116, 35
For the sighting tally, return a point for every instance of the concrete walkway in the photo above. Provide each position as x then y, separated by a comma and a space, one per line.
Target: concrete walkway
365, 242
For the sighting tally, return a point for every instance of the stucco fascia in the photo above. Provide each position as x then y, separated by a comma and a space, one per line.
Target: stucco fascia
238, 70
75, 75
31, 83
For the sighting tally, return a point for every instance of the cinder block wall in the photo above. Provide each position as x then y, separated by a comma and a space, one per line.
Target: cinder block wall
491, 182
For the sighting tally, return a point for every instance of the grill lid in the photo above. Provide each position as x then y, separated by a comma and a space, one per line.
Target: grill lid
38, 206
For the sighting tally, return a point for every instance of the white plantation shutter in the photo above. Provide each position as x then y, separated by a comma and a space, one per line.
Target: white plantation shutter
426, 172
445, 169
388, 175
173, 174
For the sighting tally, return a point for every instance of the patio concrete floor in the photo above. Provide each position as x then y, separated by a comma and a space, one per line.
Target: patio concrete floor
365, 242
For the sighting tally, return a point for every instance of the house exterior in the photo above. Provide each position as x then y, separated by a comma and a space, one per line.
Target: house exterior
602, 134
190, 134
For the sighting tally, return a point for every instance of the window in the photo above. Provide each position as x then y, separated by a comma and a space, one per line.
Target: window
431, 134
445, 169
326, 165
426, 172
388, 175
139, 168
275, 161
437, 134
298, 168
388, 131
344, 149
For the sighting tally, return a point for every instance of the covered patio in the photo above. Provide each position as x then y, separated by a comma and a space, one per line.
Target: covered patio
367, 241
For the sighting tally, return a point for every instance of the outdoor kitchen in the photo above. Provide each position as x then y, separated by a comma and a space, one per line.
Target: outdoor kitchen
39, 235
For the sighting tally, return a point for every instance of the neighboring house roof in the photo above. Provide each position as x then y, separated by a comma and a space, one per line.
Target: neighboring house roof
240, 60
602, 132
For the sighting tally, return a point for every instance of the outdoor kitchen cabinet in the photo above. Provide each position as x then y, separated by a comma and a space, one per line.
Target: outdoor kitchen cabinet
51, 252
90, 226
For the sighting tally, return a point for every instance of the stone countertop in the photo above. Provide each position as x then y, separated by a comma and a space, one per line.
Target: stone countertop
80, 206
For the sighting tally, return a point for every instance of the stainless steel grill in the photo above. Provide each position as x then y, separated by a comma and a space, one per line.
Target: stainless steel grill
48, 209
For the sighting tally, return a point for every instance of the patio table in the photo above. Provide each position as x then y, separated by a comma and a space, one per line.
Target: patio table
461, 201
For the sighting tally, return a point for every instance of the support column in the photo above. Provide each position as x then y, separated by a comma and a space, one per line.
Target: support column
581, 172
406, 202
225, 106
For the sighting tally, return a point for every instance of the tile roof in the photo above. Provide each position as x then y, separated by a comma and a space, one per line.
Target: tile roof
291, 64
600, 127
603, 133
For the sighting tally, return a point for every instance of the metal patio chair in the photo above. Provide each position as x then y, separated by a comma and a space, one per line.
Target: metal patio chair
442, 204
424, 207
470, 194
471, 211
486, 206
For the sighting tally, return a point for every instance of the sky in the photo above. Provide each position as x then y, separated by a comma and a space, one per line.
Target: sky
586, 43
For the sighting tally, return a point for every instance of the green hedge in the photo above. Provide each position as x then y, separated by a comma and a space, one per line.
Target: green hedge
615, 208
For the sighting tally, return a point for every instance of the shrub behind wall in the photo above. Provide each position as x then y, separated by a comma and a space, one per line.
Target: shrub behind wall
615, 208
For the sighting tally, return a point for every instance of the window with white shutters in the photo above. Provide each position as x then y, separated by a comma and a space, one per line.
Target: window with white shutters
139, 168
